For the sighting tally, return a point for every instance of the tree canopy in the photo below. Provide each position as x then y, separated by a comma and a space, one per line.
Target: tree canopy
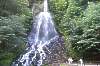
14, 24
78, 21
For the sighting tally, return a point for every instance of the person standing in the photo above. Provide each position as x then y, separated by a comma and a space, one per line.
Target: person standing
70, 60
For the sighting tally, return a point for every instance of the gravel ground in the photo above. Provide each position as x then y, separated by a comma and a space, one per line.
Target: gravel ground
85, 65
64, 64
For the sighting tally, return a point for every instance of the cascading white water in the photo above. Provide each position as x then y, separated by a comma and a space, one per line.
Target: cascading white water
45, 6
43, 32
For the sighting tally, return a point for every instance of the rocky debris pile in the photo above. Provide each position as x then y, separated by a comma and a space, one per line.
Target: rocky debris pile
55, 51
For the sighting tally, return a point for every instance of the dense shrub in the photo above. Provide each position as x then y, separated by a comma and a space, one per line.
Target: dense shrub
77, 21
15, 23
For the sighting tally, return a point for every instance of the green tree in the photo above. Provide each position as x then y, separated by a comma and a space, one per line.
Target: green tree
15, 22
77, 21
66, 15
86, 41
12, 38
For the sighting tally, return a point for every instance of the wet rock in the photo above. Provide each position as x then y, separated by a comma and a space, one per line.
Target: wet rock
56, 51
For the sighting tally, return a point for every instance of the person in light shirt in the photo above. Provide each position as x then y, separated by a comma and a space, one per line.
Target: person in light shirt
81, 62
70, 60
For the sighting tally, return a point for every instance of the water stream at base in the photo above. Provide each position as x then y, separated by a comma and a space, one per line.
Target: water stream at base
42, 33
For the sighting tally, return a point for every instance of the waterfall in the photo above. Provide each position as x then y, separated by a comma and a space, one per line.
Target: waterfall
45, 6
42, 34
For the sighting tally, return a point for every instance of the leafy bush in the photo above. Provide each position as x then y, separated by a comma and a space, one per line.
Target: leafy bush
77, 21
87, 42
15, 21
66, 13
12, 37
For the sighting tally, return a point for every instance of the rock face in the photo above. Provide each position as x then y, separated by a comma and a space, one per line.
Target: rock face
36, 6
55, 51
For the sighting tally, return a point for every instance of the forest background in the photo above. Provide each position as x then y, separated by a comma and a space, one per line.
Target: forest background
77, 21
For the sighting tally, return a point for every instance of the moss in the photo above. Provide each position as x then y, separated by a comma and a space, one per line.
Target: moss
6, 59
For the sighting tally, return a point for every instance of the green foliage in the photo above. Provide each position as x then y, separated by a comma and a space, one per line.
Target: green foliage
5, 59
11, 7
8, 7
11, 29
66, 13
58, 8
87, 42
77, 21
15, 22
91, 15
12, 38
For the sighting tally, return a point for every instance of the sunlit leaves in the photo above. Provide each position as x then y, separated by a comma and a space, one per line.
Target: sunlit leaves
23, 6
92, 14
12, 37
11, 27
14, 24
78, 19
8, 7
88, 40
